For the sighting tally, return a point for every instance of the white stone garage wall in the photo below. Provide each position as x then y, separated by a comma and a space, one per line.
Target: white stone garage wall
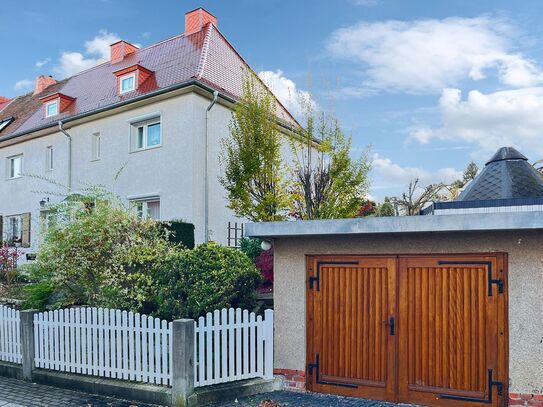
525, 290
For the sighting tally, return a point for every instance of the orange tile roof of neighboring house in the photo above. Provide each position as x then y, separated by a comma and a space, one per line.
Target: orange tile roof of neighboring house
204, 57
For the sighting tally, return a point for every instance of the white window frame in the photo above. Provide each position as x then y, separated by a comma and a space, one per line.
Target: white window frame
141, 206
51, 103
9, 161
124, 77
144, 125
49, 158
96, 146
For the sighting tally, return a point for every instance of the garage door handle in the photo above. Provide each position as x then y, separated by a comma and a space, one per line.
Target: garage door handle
391, 325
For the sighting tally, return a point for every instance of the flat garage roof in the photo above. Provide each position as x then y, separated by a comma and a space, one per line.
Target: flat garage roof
400, 224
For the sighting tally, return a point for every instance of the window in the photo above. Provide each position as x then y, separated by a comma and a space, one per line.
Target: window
51, 108
148, 209
49, 157
15, 166
17, 230
5, 123
14, 232
127, 83
146, 134
95, 146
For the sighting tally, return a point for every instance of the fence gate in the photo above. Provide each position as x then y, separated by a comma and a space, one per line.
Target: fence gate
429, 329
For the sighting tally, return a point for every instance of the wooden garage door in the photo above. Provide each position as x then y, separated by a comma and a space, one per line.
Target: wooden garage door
349, 332
430, 330
451, 330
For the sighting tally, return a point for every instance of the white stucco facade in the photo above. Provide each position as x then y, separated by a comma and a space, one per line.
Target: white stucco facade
172, 172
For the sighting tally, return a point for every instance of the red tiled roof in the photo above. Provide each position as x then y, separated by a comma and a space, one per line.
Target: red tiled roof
205, 56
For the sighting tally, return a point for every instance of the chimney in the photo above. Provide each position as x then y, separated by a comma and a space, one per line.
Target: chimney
43, 82
120, 49
197, 19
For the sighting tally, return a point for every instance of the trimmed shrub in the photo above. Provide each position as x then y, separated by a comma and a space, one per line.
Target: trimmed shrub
193, 282
180, 233
251, 247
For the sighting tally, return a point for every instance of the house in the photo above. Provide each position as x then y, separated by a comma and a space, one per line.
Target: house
441, 310
158, 113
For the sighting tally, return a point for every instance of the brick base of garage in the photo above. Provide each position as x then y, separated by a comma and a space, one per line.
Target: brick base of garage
292, 379
517, 399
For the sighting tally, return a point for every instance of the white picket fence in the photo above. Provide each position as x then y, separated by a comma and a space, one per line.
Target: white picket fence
233, 345
10, 336
105, 343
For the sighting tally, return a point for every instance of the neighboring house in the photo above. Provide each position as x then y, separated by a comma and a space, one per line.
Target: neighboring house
439, 310
150, 111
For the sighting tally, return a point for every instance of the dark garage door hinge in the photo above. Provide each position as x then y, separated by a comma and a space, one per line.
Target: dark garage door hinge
317, 277
488, 264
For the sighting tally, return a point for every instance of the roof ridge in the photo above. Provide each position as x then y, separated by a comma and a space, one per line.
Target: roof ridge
205, 51
256, 74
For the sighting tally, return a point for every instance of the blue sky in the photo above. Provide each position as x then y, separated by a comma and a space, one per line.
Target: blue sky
430, 85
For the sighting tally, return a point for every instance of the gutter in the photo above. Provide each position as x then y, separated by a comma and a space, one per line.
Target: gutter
158, 92
206, 177
61, 129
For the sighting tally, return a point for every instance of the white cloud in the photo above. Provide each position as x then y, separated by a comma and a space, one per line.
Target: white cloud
392, 175
504, 118
99, 45
42, 63
24, 84
427, 55
286, 91
96, 52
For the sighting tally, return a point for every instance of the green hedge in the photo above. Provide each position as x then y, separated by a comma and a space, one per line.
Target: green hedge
181, 232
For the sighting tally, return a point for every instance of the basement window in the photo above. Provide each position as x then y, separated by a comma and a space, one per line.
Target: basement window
127, 83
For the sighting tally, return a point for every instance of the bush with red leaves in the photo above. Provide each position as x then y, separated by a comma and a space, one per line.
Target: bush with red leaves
264, 262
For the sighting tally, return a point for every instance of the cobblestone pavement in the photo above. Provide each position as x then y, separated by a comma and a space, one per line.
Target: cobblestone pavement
293, 399
16, 393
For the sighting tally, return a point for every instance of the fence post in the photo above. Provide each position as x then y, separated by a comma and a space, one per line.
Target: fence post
183, 363
27, 342
268, 337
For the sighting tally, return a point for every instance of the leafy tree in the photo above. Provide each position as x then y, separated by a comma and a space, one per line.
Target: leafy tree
254, 176
328, 183
411, 202
387, 208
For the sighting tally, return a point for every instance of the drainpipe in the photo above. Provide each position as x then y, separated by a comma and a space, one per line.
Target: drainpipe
69, 154
206, 181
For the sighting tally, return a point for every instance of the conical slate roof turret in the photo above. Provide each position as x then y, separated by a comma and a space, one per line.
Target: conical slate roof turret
507, 175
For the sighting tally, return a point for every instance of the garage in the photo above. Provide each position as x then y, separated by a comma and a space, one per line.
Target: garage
426, 329
441, 309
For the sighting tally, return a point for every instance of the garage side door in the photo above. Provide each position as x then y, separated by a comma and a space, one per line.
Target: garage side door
451, 333
351, 347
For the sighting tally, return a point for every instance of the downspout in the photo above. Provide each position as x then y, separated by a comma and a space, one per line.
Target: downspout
206, 180
69, 155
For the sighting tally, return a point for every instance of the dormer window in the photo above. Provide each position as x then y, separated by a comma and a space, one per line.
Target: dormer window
131, 78
55, 104
127, 83
51, 108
